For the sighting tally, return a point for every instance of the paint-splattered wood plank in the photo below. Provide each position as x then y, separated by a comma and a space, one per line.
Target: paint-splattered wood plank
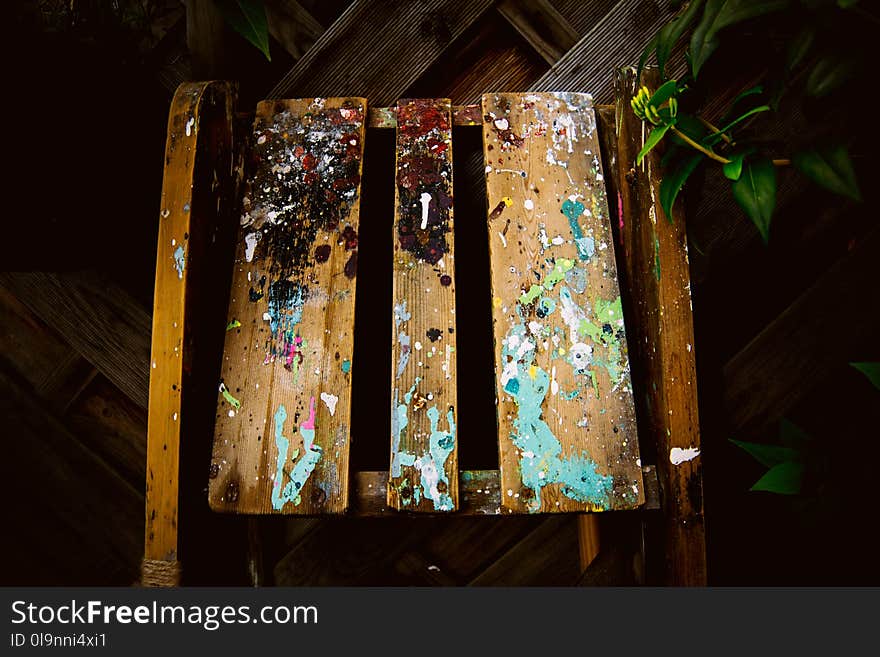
281, 441
566, 423
424, 450
654, 258
198, 151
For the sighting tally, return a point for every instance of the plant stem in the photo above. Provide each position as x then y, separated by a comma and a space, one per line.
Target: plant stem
714, 129
705, 151
781, 162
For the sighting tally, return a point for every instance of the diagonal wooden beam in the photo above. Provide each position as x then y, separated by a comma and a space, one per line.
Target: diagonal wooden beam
99, 320
617, 40
827, 326
544, 28
351, 58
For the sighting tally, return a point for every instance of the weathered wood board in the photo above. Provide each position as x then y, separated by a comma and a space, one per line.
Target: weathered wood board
655, 260
566, 421
282, 432
424, 449
198, 150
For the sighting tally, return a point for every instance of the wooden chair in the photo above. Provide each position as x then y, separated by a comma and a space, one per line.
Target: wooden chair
259, 234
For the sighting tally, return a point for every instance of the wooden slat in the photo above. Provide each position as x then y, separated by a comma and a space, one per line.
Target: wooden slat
654, 256
479, 493
424, 444
566, 419
281, 441
352, 56
796, 347
541, 25
618, 39
99, 320
198, 151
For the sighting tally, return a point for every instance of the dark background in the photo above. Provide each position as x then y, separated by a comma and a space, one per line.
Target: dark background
86, 109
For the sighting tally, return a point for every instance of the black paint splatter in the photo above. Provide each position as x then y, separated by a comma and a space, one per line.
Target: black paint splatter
446, 280
434, 334
322, 253
307, 171
422, 169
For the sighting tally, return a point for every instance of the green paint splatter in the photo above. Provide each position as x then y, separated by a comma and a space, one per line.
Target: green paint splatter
229, 398
534, 292
558, 273
233, 325
656, 257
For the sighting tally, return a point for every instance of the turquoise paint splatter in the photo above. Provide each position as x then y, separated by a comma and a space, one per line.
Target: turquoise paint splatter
399, 422
586, 246
304, 467
346, 366
541, 461
431, 465
179, 261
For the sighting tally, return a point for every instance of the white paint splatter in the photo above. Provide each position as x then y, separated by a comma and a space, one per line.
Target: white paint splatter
250, 241
426, 202
529, 203
503, 239
502, 124
330, 401
677, 455
189, 126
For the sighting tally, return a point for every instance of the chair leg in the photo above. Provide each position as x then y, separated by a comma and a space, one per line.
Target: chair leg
588, 538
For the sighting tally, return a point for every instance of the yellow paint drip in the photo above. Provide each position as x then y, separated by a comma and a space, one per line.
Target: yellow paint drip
507, 201
533, 372
497, 302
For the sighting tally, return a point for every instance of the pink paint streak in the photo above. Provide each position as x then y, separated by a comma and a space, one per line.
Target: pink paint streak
310, 423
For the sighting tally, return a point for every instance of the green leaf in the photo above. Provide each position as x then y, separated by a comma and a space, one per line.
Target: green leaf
870, 370
828, 74
248, 18
665, 92
799, 46
646, 53
733, 169
784, 479
653, 139
691, 126
847, 4
768, 455
674, 179
715, 137
673, 31
755, 192
719, 14
830, 168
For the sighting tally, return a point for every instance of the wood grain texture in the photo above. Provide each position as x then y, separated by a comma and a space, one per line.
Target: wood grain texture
538, 22
282, 434
292, 26
796, 348
424, 442
658, 303
566, 419
351, 58
99, 319
615, 40
198, 152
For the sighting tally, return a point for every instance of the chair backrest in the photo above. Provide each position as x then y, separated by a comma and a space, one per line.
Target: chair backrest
566, 419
